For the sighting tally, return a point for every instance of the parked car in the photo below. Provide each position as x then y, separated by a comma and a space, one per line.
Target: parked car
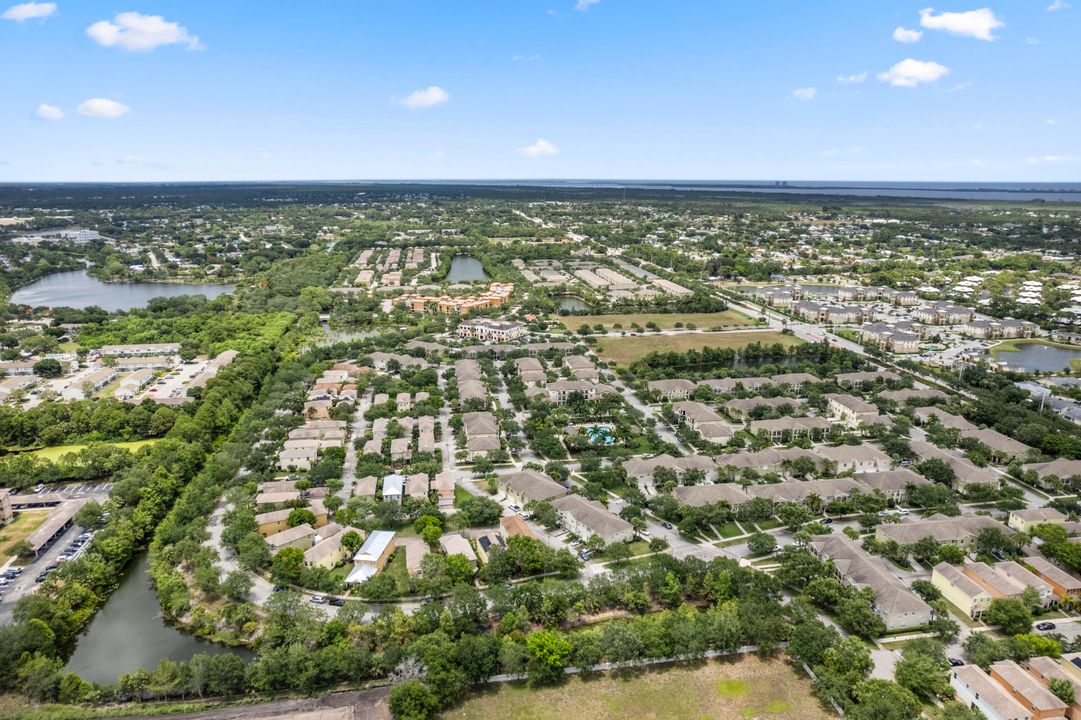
826, 521
666, 525
1045, 626
337, 602
318, 600
279, 588
954, 662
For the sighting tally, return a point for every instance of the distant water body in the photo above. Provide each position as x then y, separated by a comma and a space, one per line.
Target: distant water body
78, 289
1021, 192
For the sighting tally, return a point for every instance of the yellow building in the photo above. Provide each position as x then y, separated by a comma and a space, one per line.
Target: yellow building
372, 556
961, 590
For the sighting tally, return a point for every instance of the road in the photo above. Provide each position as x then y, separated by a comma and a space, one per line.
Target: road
349, 467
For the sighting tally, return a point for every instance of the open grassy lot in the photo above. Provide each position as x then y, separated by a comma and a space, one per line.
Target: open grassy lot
27, 522
629, 349
665, 321
56, 452
748, 688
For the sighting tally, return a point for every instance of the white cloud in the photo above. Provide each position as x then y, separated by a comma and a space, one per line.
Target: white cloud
904, 35
853, 79
541, 148
102, 108
1032, 40
583, 5
29, 11
1058, 5
1050, 159
910, 73
141, 33
979, 24
46, 111
426, 98
526, 58
807, 93
140, 161
1051, 121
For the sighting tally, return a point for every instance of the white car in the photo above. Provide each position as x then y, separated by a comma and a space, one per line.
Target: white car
318, 600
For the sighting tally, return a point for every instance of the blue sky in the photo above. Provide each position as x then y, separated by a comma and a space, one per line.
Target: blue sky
171, 90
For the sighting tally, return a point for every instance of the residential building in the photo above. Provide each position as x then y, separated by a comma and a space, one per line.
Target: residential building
494, 330
958, 588
893, 484
454, 544
960, 531
976, 689
1027, 690
702, 495
897, 605
586, 518
1062, 583
671, 389
862, 458
526, 486
371, 557
850, 410
1027, 519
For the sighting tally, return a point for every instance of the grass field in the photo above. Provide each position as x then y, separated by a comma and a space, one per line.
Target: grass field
665, 321
27, 522
748, 688
56, 452
629, 349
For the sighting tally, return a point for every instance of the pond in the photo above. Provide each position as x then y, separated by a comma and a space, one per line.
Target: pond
573, 304
1038, 356
77, 289
466, 268
128, 633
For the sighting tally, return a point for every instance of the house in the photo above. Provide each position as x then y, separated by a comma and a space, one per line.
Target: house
965, 472
371, 557
924, 415
857, 379
415, 551
702, 495
913, 397
671, 389
416, 486
454, 544
526, 486
1046, 669
740, 408
641, 470
700, 418
764, 460
481, 432
273, 522
1062, 583
1003, 448
976, 689
897, 605
327, 550
726, 386
561, 391
1026, 578
1026, 520
1027, 690
443, 487
795, 382
487, 541
849, 409
857, 458
961, 530
786, 429
277, 498
799, 491
394, 487
893, 484
958, 588
295, 537
83, 387
495, 330
400, 450
1060, 468
513, 526
586, 518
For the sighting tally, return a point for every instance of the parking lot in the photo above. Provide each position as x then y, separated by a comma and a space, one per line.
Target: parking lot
26, 582
174, 384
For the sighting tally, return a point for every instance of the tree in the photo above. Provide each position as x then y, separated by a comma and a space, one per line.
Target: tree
300, 516
884, 700
351, 541
1012, 616
48, 368
792, 515
856, 615
761, 543
413, 700
477, 511
924, 674
618, 552
549, 652
849, 658
810, 640
288, 566
1062, 688
236, 586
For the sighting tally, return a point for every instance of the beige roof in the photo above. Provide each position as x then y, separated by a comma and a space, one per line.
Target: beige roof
892, 596
592, 514
1053, 573
700, 495
891, 480
532, 485
1041, 698
941, 528
990, 692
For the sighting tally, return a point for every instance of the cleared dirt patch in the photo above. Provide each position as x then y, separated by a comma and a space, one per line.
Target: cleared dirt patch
747, 688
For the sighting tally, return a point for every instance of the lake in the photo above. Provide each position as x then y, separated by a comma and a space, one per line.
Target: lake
128, 633
77, 289
1037, 356
573, 304
466, 268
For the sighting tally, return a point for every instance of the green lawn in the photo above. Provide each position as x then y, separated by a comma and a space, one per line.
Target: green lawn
747, 688
460, 494
768, 524
665, 321
628, 349
396, 568
57, 451
729, 530
26, 523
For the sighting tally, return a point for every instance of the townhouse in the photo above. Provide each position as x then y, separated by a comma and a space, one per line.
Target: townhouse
897, 605
671, 389
586, 518
1062, 583
526, 486
893, 484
